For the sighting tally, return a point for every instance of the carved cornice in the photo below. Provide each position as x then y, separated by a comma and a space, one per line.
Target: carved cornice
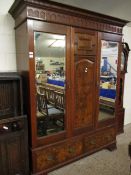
63, 14
36, 13
55, 17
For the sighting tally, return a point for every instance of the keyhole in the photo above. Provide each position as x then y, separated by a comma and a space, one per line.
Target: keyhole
86, 69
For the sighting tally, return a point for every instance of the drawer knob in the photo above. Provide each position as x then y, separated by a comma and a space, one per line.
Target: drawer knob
86, 69
92, 142
71, 150
50, 157
108, 137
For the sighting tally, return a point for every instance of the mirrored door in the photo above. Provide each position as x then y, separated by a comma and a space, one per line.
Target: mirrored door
108, 79
50, 76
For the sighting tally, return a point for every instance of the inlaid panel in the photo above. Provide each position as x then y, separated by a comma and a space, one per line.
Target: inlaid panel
100, 139
84, 77
54, 155
85, 43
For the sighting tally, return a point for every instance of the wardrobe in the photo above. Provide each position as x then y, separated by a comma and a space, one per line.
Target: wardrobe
73, 64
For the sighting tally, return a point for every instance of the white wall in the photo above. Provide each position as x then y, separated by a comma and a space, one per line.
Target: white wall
117, 8
127, 93
7, 39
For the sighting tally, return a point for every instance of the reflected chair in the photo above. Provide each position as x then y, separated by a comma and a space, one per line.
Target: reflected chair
41, 89
53, 116
59, 100
42, 103
42, 119
50, 94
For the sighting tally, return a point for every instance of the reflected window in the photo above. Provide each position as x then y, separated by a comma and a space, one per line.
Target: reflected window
50, 82
108, 79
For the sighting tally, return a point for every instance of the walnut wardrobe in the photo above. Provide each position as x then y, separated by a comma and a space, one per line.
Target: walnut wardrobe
73, 69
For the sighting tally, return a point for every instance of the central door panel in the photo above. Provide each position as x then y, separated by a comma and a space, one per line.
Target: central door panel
84, 77
85, 43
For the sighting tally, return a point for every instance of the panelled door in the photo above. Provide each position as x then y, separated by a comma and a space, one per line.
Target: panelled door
84, 55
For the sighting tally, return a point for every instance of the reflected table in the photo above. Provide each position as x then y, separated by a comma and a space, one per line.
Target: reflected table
56, 82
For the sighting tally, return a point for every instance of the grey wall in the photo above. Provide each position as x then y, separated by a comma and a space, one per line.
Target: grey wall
116, 8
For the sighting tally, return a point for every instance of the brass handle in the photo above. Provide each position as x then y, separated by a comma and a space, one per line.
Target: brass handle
108, 137
71, 150
93, 142
50, 157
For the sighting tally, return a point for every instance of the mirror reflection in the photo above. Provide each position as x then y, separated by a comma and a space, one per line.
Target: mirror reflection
108, 78
50, 80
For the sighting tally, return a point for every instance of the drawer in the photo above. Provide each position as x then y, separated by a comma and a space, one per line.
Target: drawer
46, 158
100, 139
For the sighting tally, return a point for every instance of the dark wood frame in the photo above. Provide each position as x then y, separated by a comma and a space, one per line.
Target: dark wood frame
15, 82
13, 127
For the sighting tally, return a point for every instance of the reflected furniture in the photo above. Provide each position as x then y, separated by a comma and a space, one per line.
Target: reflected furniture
84, 50
51, 111
55, 82
13, 126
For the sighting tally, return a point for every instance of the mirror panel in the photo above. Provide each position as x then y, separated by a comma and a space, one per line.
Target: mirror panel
50, 82
108, 79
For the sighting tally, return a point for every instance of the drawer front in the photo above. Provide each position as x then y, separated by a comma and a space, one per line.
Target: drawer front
100, 139
54, 155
